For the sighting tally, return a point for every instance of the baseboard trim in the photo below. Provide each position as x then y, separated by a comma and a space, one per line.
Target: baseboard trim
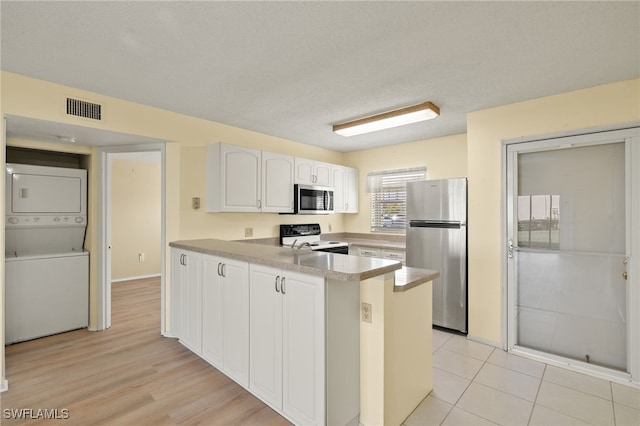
140, 277
484, 341
169, 335
4, 385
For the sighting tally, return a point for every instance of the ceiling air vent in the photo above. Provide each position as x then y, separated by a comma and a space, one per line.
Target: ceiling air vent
84, 109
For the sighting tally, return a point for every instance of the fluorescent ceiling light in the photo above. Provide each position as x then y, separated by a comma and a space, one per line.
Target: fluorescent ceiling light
386, 120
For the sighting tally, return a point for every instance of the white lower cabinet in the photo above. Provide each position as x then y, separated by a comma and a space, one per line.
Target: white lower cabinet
398, 255
225, 316
367, 252
394, 255
268, 330
287, 341
186, 314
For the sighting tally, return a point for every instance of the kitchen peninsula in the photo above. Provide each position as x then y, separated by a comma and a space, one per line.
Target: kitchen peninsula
322, 338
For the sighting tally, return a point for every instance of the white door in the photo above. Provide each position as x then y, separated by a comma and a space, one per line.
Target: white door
570, 215
303, 348
265, 359
277, 183
212, 310
235, 275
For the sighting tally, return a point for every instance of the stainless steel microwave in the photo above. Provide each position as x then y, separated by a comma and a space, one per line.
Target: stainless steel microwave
310, 199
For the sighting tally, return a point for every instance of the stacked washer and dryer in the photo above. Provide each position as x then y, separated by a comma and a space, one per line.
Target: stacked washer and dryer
46, 266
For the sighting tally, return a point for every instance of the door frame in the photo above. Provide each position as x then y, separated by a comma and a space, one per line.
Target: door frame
104, 229
632, 187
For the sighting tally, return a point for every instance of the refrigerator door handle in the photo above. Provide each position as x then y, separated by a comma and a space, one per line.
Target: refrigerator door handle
414, 223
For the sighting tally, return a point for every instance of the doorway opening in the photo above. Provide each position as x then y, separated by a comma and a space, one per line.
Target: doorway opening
131, 240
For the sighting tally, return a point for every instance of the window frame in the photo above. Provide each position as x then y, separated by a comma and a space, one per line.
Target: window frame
388, 198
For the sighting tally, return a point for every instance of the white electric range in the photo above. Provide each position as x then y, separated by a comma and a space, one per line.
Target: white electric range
308, 235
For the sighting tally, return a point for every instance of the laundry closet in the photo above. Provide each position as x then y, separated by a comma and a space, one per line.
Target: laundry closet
46, 265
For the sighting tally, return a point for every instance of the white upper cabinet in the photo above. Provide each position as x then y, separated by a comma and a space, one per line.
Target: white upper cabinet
351, 190
242, 179
345, 185
311, 172
338, 177
233, 178
277, 182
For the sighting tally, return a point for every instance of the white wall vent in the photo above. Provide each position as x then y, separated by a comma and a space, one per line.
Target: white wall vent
84, 109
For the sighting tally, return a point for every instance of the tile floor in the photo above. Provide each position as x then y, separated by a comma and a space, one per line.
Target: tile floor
476, 384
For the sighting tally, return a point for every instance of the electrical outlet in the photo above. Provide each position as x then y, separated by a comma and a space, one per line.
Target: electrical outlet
366, 312
195, 203
141, 257
248, 232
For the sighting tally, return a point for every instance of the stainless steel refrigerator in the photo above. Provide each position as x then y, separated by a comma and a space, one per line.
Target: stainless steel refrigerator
437, 240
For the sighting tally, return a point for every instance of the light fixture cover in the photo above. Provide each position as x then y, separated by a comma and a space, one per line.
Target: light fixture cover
386, 120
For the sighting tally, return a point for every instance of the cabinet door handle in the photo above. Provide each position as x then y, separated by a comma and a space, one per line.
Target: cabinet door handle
224, 270
259, 204
282, 285
219, 268
277, 282
183, 259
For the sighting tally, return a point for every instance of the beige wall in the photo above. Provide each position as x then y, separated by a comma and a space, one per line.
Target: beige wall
605, 105
444, 157
184, 168
135, 219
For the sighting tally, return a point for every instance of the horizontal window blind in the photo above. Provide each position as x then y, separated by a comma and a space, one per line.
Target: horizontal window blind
388, 190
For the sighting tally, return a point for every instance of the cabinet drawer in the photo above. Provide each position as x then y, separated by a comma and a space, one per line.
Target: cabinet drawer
368, 252
394, 255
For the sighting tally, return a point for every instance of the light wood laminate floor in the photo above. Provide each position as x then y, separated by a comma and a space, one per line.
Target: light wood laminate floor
126, 375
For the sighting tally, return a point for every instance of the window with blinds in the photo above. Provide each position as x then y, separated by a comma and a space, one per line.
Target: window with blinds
388, 191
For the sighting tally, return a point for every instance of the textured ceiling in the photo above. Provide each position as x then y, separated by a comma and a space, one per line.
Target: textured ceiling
292, 69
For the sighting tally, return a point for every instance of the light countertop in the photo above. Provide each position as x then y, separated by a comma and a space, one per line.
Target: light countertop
329, 265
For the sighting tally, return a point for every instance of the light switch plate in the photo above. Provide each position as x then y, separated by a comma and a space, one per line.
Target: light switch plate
248, 232
195, 202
